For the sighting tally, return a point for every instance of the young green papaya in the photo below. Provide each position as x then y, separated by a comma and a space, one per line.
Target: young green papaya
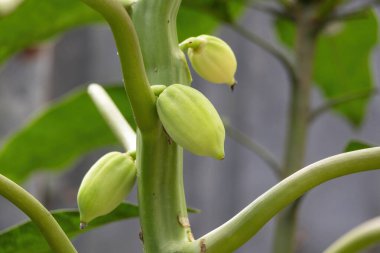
191, 120
212, 59
105, 185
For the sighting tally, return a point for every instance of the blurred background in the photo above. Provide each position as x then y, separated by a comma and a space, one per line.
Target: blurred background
257, 107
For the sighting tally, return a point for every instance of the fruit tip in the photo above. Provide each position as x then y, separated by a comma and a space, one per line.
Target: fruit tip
232, 85
82, 225
220, 156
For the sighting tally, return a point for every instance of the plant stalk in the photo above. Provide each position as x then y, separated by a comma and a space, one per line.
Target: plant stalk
45, 222
135, 79
234, 233
296, 142
113, 117
163, 213
359, 238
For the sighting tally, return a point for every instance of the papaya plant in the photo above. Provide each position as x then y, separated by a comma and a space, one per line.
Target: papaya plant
165, 115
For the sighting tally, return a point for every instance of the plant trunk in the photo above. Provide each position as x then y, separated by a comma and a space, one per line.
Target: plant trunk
296, 142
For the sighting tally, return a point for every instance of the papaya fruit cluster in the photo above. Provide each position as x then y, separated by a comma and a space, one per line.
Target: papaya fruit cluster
188, 118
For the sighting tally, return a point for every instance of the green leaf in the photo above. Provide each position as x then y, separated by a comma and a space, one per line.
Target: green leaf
198, 17
343, 60
27, 238
59, 135
201, 23
37, 20
357, 145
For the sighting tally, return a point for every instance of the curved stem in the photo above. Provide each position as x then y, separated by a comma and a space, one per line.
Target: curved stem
48, 226
113, 116
255, 147
132, 65
238, 230
265, 45
358, 239
275, 11
339, 101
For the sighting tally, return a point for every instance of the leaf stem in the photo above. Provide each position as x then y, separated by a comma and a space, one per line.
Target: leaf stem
132, 65
238, 230
48, 226
255, 147
339, 101
275, 11
276, 52
358, 239
113, 116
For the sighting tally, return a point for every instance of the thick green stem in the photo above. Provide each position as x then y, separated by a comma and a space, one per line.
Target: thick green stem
238, 230
135, 79
299, 109
155, 22
163, 214
358, 239
295, 147
48, 226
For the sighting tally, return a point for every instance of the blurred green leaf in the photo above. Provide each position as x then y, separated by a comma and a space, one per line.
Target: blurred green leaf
27, 238
198, 17
59, 135
37, 20
356, 145
343, 60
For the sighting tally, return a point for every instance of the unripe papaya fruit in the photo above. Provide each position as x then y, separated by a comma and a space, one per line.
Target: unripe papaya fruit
191, 120
212, 58
105, 185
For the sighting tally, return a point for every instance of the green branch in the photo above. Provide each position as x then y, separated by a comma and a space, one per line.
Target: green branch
277, 53
269, 9
132, 65
249, 221
340, 101
358, 239
113, 117
255, 147
48, 226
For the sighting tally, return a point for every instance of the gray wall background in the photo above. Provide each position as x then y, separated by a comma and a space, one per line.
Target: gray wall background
220, 189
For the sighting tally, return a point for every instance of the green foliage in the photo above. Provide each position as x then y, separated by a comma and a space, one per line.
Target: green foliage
59, 135
57, 16
27, 238
204, 16
69, 129
37, 20
343, 64
356, 145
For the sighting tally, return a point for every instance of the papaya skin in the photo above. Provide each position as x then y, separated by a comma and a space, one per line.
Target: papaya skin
191, 121
105, 186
